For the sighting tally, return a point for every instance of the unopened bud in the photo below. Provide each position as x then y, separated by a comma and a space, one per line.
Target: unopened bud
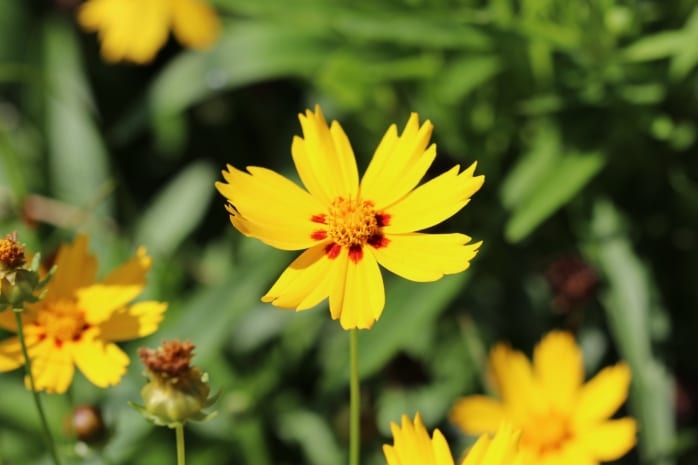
86, 424
19, 282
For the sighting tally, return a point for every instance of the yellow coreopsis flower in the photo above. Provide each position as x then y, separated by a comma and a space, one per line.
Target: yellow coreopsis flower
135, 30
80, 318
413, 446
350, 227
562, 419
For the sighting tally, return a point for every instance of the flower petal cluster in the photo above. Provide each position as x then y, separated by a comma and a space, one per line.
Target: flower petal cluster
413, 446
350, 226
134, 30
80, 319
562, 420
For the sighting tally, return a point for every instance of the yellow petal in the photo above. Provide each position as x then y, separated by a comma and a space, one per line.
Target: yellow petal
305, 283
269, 207
76, 268
117, 289
609, 440
413, 446
324, 158
558, 365
477, 414
357, 297
129, 29
195, 23
399, 163
434, 201
513, 378
138, 320
502, 449
10, 354
602, 395
426, 257
52, 366
103, 363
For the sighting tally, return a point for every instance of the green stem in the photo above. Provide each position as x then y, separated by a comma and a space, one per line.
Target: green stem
354, 398
179, 431
37, 400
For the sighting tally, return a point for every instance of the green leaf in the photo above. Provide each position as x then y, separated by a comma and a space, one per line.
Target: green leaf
78, 160
463, 75
630, 304
247, 52
177, 210
654, 47
560, 183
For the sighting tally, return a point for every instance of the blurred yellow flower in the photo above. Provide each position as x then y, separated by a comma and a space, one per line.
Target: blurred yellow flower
562, 420
79, 320
349, 227
134, 30
413, 446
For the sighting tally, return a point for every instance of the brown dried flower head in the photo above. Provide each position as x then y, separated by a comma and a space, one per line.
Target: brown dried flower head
177, 390
11, 253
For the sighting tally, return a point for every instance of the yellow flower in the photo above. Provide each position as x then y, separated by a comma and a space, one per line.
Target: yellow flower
349, 227
413, 446
562, 420
135, 30
79, 320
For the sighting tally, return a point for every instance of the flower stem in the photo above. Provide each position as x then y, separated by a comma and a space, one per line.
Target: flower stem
179, 431
37, 400
354, 398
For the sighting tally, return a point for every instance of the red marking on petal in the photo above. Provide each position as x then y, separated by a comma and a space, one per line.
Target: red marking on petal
382, 219
332, 250
319, 235
322, 219
378, 241
41, 336
77, 337
356, 253
58, 343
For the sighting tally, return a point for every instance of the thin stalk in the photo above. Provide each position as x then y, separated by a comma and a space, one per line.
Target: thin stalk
179, 431
37, 400
354, 398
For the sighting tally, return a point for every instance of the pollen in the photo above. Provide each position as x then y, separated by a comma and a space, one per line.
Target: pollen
352, 223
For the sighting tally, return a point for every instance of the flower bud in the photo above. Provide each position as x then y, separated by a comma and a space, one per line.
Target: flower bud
19, 282
86, 424
176, 391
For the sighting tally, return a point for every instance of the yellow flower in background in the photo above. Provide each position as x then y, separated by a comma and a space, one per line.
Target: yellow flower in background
563, 421
134, 30
413, 446
350, 227
79, 319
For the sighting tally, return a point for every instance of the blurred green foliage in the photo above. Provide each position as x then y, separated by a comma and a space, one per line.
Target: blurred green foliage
582, 115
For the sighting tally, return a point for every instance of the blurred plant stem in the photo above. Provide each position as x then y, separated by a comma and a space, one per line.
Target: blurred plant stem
354, 398
179, 432
35, 394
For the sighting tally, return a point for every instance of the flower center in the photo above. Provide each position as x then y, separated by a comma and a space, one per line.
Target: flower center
351, 222
546, 432
62, 321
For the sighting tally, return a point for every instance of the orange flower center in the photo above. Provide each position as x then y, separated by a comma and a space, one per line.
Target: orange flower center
351, 224
546, 432
62, 321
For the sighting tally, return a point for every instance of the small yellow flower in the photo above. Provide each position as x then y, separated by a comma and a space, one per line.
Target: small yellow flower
350, 227
413, 446
562, 420
135, 30
78, 321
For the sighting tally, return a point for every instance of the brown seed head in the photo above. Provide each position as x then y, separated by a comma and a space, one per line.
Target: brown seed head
170, 360
11, 252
